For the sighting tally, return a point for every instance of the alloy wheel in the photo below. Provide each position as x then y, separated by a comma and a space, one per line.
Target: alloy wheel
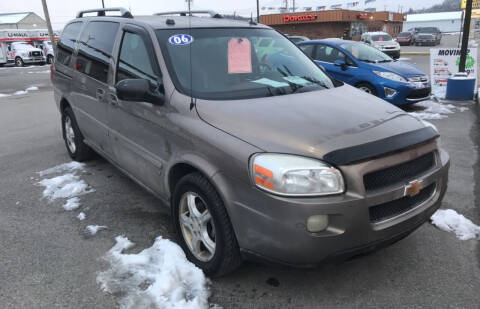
70, 135
197, 226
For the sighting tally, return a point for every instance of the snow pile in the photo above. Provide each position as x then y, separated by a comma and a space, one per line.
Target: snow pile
65, 167
72, 204
68, 186
450, 221
435, 110
157, 277
93, 229
19, 92
81, 216
64, 186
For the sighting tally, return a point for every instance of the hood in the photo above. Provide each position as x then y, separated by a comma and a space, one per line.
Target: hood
399, 67
25, 47
310, 124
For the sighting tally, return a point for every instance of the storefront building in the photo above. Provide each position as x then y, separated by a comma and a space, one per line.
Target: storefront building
334, 24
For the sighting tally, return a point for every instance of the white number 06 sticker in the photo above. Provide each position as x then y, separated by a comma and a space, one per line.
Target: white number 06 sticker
180, 39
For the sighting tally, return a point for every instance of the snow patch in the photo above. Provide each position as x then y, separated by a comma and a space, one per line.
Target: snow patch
157, 277
65, 167
435, 110
2, 95
450, 221
32, 88
93, 229
64, 186
81, 216
72, 204
39, 72
20, 92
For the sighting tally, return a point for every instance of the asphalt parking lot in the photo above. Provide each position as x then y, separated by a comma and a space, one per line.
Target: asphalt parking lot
49, 261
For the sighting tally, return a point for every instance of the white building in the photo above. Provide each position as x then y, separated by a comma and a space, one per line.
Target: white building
23, 20
446, 21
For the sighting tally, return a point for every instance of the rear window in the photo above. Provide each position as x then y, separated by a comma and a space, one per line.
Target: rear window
404, 34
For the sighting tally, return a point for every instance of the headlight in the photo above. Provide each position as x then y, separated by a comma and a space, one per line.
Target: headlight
377, 46
24, 54
291, 175
391, 76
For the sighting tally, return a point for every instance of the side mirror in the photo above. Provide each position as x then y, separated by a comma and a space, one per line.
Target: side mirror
342, 64
139, 90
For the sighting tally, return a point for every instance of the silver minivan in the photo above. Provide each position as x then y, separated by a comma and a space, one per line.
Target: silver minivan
258, 153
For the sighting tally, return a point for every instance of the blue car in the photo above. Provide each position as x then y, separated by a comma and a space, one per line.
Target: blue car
370, 70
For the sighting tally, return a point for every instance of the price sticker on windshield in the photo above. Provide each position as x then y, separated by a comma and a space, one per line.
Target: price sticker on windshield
180, 39
239, 56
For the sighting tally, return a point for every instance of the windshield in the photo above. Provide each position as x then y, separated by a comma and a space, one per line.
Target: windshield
230, 64
366, 53
404, 34
381, 37
427, 30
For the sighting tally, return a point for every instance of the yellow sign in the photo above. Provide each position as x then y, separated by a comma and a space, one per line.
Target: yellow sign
475, 14
476, 4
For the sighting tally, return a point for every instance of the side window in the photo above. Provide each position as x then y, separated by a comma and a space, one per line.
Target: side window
307, 49
328, 54
135, 60
95, 49
66, 43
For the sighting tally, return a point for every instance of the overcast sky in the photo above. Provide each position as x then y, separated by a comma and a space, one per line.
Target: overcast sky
62, 11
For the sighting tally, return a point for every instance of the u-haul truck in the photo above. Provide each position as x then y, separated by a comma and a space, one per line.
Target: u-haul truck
16, 47
40, 39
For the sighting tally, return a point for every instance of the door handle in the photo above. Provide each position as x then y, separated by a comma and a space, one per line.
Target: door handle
113, 100
100, 93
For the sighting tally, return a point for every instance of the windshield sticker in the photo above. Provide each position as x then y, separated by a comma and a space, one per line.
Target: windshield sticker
239, 56
271, 83
297, 80
180, 39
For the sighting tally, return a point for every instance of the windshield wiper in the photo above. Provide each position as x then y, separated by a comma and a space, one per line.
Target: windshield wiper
366, 60
383, 61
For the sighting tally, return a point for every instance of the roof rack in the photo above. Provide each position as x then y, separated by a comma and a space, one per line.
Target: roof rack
101, 12
212, 14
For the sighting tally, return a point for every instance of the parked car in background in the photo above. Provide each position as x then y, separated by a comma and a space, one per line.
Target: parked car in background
370, 70
405, 38
257, 156
383, 42
427, 36
297, 38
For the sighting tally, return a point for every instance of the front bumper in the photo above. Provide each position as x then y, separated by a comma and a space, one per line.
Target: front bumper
30, 60
406, 93
394, 53
273, 228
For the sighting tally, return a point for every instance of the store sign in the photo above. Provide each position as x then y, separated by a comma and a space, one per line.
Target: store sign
444, 63
475, 4
293, 18
16, 34
362, 16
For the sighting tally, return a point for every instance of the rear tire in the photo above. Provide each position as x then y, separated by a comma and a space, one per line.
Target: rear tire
77, 149
194, 199
368, 88
19, 62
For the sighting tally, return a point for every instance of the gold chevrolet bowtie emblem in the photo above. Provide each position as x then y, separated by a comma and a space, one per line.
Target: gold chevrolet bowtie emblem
413, 188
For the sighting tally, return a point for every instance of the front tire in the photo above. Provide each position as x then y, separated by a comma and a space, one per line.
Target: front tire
203, 226
77, 149
19, 62
49, 59
365, 87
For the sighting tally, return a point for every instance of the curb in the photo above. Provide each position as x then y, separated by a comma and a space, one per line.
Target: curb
415, 53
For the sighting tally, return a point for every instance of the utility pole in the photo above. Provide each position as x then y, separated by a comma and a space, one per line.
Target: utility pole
293, 6
49, 25
466, 33
258, 11
103, 4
